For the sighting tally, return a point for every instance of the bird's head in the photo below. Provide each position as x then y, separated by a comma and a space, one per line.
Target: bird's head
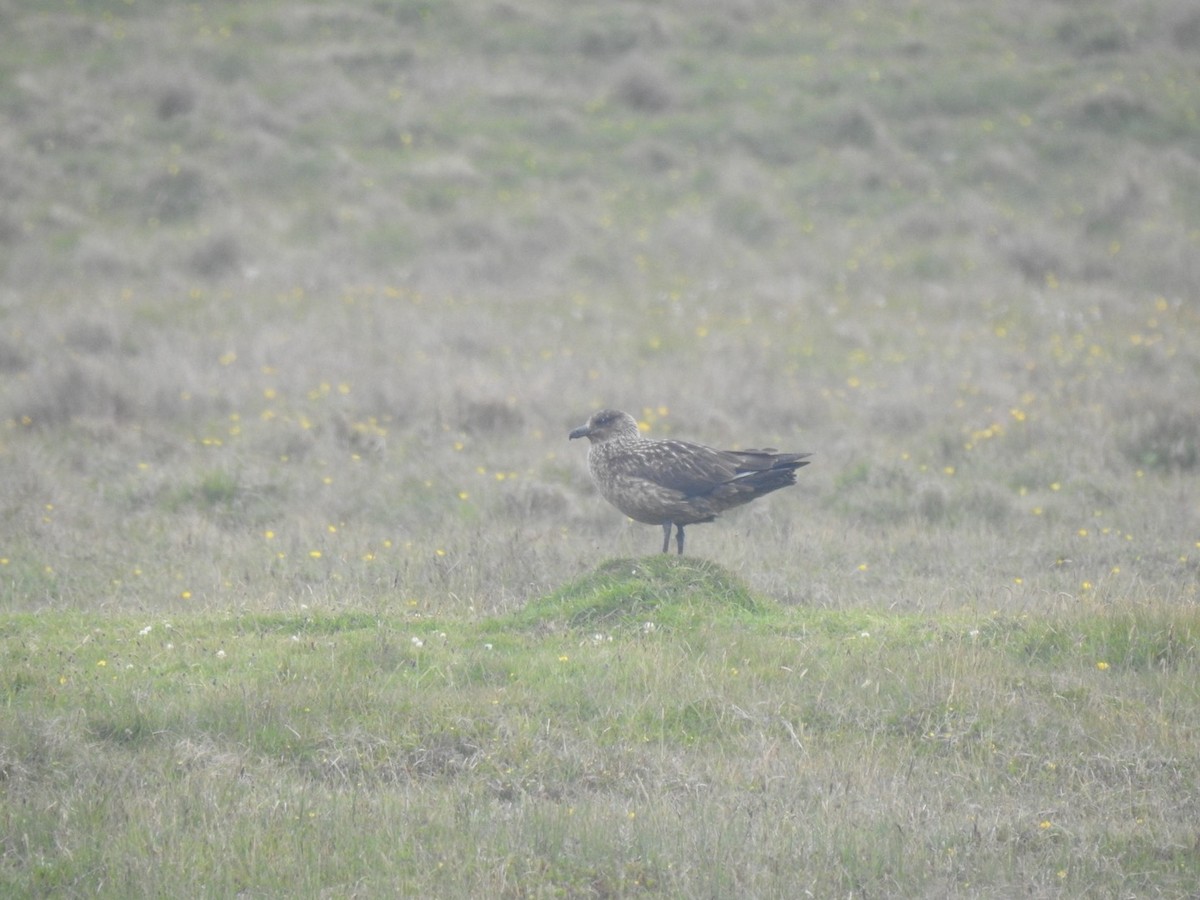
605, 425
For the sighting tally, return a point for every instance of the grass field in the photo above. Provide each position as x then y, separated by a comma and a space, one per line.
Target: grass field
303, 591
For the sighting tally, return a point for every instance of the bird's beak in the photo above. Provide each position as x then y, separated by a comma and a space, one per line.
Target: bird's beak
581, 431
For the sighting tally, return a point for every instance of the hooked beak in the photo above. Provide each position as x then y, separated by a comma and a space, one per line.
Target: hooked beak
581, 431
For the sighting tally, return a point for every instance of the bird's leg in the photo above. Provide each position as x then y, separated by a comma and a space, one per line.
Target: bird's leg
679, 540
666, 536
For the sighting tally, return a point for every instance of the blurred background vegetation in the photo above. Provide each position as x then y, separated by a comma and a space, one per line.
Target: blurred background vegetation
298, 300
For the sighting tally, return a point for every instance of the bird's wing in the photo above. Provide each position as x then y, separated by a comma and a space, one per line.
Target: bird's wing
750, 461
691, 469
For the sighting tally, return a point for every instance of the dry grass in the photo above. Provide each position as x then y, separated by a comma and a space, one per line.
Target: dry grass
297, 304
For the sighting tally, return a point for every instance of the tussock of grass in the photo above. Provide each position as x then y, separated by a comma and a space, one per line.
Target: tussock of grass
629, 592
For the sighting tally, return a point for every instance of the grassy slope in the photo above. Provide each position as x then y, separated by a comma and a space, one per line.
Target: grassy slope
297, 302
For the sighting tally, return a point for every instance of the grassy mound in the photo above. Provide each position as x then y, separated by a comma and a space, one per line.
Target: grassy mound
666, 589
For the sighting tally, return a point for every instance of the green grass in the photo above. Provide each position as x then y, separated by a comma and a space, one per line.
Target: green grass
620, 591
662, 751
303, 590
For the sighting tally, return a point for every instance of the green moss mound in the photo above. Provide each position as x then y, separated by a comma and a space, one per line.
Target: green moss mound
666, 590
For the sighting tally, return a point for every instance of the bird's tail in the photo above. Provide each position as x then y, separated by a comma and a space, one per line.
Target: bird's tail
764, 471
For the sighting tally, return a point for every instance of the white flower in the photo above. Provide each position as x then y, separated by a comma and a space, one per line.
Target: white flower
417, 642
145, 631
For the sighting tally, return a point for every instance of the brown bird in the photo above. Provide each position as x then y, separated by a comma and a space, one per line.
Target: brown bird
677, 482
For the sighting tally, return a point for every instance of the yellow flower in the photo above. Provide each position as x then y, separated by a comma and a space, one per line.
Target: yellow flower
1102, 665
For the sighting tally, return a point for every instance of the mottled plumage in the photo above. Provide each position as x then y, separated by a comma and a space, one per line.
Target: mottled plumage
677, 482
